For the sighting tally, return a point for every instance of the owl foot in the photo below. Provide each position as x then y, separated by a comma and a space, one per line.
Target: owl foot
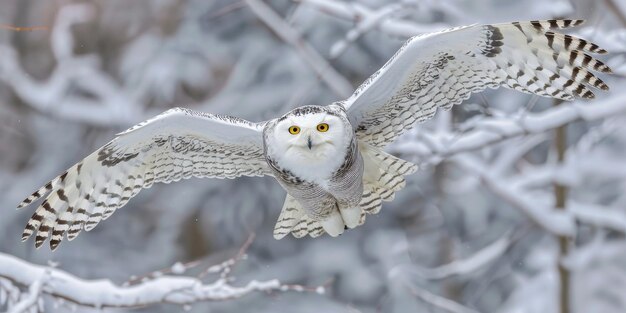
351, 216
333, 225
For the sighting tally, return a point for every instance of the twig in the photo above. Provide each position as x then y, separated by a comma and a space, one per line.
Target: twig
225, 267
227, 9
177, 268
23, 29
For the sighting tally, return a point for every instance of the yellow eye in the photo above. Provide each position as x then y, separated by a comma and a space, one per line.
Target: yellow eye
294, 130
323, 127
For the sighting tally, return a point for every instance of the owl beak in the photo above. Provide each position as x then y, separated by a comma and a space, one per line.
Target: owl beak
309, 143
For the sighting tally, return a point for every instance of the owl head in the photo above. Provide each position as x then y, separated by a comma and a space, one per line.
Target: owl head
310, 135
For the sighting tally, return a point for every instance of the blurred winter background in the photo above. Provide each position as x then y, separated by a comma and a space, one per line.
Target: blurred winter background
519, 206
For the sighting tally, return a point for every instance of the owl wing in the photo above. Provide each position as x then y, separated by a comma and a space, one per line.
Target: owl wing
177, 144
445, 68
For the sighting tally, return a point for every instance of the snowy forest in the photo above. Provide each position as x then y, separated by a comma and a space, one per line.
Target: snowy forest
519, 204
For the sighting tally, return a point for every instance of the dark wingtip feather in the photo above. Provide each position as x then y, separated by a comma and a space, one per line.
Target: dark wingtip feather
54, 244
28, 200
599, 50
39, 242
589, 95
28, 231
563, 23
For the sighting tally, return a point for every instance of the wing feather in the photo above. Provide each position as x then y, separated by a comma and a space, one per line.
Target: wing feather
175, 145
442, 69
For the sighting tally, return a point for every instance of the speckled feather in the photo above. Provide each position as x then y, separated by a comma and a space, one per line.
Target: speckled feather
383, 176
177, 144
430, 71
443, 69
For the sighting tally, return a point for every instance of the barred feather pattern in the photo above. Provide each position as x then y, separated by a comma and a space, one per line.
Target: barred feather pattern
90, 191
443, 69
429, 72
294, 219
383, 177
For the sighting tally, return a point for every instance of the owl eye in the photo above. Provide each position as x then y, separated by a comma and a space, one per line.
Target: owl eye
323, 127
294, 130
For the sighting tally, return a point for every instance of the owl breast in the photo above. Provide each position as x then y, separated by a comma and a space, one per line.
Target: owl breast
317, 167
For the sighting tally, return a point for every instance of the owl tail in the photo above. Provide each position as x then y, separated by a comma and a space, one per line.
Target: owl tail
383, 176
294, 220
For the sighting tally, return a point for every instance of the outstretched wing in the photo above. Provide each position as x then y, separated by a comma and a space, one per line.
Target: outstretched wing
443, 69
177, 144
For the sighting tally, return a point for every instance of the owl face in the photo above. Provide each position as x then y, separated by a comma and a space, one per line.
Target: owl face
312, 138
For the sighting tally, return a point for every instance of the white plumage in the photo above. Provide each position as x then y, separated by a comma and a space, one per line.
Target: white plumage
329, 159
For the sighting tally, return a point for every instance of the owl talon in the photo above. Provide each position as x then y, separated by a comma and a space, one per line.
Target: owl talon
351, 216
333, 225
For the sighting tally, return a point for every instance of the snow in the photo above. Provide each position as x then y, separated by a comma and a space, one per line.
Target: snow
103, 293
475, 230
178, 268
481, 259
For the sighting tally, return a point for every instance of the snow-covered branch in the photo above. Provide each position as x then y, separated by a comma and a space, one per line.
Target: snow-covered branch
489, 131
152, 290
106, 103
439, 301
364, 25
335, 81
478, 260
365, 17
30, 300
556, 222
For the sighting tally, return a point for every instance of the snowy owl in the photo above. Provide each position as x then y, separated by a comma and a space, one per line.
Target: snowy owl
329, 159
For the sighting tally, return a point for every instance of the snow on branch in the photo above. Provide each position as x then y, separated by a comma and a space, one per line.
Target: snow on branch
363, 26
489, 131
31, 301
335, 81
471, 264
107, 104
151, 289
598, 215
557, 222
358, 13
439, 301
